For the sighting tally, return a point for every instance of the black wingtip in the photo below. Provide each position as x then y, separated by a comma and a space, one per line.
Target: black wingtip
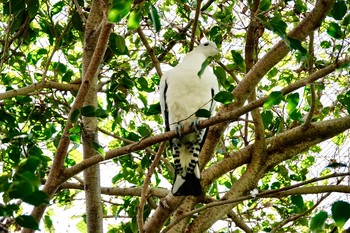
191, 186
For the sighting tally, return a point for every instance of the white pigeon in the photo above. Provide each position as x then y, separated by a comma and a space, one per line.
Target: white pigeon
183, 91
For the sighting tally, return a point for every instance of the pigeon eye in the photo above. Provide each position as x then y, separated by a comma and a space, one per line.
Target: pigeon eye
206, 44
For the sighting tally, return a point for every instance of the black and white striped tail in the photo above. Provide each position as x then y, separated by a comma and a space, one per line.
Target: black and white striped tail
187, 173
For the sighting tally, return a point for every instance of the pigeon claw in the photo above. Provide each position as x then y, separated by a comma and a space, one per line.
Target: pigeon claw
180, 130
195, 124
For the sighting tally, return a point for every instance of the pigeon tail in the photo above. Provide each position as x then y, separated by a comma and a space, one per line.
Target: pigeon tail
186, 186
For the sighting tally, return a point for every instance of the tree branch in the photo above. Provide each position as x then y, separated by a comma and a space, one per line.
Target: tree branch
144, 190
117, 191
150, 51
195, 24
312, 86
38, 86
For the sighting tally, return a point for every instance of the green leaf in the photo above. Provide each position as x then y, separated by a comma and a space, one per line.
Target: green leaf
295, 44
278, 25
88, 111
33, 7
67, 77
37, 198
298, 201
29, 164
27, 221
237, 57
340, 212
345, 100
346, 20
120, 43
317, 222
134, 19
339, 10
335, 31
75, 115
300, 6
336, 165
57, 8
203, 113
99, 149
272, 73
220, 74
224, 97
204, 66
48, 222
264, 5
275, 185
267, 117
274, 98
155, 18
144, 130
75, 138
154, 109
292, 102
101, 113
296, 115
325, 44
119, 10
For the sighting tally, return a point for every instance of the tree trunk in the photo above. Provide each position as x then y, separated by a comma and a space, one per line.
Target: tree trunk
94, 213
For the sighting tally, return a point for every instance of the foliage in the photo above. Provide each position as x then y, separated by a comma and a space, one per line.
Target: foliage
42, 48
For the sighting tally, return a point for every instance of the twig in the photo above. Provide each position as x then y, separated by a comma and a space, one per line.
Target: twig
150, 51
206, 5
239, 222
195, 23
80, 12
145, 187
308, 120
229, 71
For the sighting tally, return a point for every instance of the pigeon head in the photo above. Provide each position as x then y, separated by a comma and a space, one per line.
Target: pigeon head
208, 48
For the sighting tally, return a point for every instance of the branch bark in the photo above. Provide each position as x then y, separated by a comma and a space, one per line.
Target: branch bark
92, 186
38, 86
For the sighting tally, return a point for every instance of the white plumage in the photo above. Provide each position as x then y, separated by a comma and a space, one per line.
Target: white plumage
182, 93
